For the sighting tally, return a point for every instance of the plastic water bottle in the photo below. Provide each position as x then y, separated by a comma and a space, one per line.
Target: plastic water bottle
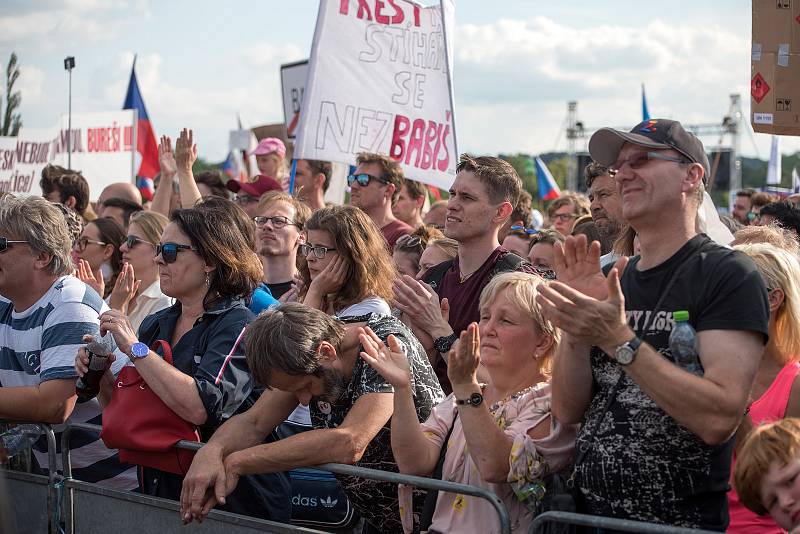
683, 343
20, 438
88, 386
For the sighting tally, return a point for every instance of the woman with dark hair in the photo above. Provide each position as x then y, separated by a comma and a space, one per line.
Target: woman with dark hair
209, 267
350, 272
209, 183
97, 256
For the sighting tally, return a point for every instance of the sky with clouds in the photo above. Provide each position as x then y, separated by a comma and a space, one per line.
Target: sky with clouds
517, 63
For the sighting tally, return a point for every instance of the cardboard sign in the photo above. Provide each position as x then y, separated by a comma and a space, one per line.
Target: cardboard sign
293, 85
101, 151
380, 80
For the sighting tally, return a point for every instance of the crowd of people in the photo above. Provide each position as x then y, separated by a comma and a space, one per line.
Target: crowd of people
629, 348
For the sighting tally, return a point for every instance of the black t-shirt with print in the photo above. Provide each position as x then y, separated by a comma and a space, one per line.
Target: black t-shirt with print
377, 501
642, 464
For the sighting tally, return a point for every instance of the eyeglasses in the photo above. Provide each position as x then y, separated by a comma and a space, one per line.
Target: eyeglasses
278, 222
409, 241
82, 242
564, 217
641, 159
522, 229
245, 199
319, 251
169, 251
363, 179
131, 241
4, 241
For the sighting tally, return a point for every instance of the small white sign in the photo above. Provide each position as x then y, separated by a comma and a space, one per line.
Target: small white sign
762, 118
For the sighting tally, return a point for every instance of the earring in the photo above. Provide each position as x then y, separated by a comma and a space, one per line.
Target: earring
208, 281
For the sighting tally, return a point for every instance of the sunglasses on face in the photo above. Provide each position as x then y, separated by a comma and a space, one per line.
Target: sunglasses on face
82, 242
637, 161
522, 230
4, 242
131, 241
169, 251
278, 221
318, 250
363, 179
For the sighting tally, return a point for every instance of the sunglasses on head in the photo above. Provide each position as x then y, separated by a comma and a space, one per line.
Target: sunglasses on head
4, 242
409, 241
363, 179
131, 241
169, 251
523, 230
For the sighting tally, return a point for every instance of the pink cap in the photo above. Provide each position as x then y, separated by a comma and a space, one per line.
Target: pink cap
269, 145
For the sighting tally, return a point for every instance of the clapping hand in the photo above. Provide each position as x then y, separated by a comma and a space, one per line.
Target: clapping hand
391, 362
91, 279
125, 288
419, 302
577, 264
465, 356
185, 151
166, 159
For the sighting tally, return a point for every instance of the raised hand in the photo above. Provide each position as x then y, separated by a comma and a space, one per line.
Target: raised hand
166, 158
125, 289
464, 358
90, 278
577, 265
391, 362
420, 303
185, 151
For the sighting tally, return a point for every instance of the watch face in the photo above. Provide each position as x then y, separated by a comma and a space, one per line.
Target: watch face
139, 350
624, 354
476, 399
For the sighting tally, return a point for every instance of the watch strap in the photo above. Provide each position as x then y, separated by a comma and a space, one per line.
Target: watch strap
444, 344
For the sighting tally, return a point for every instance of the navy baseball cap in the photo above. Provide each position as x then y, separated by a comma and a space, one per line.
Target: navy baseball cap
605, 144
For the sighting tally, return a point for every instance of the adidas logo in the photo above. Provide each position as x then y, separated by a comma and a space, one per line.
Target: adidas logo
328, 502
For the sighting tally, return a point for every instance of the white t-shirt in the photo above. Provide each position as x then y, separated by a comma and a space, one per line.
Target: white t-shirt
369, 305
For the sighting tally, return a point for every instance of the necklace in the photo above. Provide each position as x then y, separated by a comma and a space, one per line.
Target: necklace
497, 405
463, 278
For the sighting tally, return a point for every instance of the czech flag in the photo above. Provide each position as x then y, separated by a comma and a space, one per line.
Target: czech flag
146, 147
231, 168
548, 189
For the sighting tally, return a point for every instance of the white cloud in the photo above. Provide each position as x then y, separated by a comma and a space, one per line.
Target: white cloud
30, 83
513, 77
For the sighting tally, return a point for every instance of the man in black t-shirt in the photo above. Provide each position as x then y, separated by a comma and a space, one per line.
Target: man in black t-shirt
308, 357
279, 232
656, 439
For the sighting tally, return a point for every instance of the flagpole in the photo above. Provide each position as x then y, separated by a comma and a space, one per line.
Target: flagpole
291, 176
134, 144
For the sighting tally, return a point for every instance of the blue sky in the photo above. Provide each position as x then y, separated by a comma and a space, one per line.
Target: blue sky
517, 63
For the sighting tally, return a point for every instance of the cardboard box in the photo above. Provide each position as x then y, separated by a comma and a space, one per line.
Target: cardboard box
775, 67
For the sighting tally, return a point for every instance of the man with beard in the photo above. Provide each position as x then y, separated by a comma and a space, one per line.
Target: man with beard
307, 357
605, 206
279, 231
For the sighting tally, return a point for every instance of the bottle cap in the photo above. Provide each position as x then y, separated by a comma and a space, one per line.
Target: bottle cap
681, 315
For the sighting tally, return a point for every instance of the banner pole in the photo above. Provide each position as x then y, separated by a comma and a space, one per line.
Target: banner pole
291, 176
449, 79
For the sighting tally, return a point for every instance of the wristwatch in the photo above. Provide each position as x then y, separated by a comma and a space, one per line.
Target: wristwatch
476, 399
139, 351
626, 353
444, 343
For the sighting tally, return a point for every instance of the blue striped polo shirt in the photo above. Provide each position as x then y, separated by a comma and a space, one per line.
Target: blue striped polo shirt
40, 344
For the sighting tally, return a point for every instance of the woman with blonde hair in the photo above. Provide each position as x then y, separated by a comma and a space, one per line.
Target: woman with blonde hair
502, 436
350, 272
776, 389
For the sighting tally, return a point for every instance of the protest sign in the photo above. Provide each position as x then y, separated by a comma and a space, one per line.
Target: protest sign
293, 84
101, 151
380, 81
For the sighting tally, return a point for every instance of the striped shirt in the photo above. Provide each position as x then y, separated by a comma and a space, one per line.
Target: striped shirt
40, 344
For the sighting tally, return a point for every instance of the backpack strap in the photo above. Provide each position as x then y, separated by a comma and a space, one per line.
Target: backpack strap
435, 274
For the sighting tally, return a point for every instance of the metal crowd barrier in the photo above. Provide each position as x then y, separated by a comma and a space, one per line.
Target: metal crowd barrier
28, 488
76, 492
610, 523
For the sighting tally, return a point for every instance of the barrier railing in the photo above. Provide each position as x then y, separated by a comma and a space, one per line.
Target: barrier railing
595, 521
52, 491
340, 469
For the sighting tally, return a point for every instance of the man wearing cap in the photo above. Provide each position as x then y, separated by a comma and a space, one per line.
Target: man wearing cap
248, 193
375, 187
655, 444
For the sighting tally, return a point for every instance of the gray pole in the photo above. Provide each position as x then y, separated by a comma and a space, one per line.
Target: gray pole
69, 124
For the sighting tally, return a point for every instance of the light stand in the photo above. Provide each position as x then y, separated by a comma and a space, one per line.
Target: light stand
69, 64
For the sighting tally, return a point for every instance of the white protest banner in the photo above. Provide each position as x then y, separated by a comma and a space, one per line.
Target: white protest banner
101, 151
380, 81
293, 84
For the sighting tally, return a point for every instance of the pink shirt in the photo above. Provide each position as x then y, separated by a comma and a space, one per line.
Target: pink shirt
771, 406
462, 513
